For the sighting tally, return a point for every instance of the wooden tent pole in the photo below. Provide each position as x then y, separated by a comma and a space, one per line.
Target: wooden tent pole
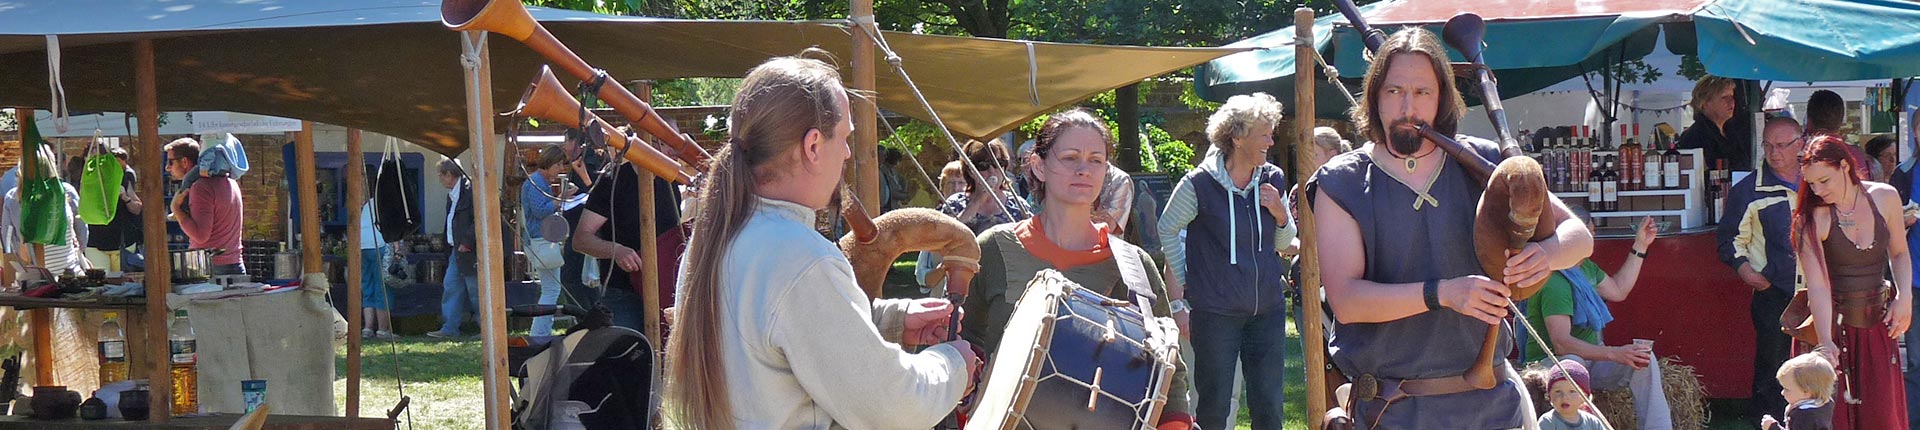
39, 321
866, 137
1313, 334
356, 198
649, 245
485, 175
159, 271
307, 185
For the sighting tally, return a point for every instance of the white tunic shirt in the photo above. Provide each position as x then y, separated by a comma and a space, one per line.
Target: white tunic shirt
803, 346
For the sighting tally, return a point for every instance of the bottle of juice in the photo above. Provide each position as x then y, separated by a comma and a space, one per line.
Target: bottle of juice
186, 378
113, 350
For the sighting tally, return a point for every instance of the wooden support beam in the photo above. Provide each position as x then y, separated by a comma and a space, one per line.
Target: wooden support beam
308, 187
1314, 336
866, 137
356, 197
485, 175
159, 271
39, 321
649, 246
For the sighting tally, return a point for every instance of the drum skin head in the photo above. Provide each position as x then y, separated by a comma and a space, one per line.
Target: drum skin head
1075, 359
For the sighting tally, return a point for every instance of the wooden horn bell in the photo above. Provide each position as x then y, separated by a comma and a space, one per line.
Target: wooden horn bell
548, 100
509, 18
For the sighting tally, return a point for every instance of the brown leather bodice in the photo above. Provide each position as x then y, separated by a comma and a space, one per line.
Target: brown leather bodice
1857, 276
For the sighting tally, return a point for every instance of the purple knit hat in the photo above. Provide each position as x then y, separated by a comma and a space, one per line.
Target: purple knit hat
1573, 368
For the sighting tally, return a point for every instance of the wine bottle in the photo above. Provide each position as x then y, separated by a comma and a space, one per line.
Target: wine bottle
1670, 163
1595, 194
1610, 185
1650, 166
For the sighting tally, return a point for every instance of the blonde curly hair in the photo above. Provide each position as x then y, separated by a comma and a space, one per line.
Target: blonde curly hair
1237, 117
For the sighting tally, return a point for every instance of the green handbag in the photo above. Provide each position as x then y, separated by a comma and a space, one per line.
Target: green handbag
43, 202
43, 211
100, 186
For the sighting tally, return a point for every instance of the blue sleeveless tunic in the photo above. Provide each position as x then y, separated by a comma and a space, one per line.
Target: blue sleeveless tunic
1405, 245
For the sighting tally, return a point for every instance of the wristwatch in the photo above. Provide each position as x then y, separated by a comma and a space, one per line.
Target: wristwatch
1637, 253
1179, 305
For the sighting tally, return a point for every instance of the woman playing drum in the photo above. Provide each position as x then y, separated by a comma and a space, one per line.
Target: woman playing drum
1069, 166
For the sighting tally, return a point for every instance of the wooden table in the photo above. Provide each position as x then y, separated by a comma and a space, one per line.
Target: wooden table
114, 303
218, 422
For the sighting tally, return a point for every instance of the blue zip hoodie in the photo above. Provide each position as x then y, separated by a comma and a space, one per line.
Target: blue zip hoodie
1231, 241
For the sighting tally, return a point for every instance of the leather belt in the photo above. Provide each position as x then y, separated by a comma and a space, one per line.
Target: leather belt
1860, 308
1369, 387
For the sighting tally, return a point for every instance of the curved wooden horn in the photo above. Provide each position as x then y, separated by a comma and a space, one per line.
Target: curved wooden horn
548, 100
1464, 32
509, 18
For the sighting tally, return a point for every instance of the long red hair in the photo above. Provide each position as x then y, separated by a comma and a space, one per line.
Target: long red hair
1832, 151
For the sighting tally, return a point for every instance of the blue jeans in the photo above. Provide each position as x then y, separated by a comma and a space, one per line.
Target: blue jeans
228, 269
549, 294
1257, 344
628, 308
373, 279
459, 295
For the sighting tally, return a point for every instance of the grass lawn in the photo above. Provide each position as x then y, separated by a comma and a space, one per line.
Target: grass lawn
443, 378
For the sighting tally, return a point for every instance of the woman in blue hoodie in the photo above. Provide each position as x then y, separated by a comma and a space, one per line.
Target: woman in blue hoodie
1235, 223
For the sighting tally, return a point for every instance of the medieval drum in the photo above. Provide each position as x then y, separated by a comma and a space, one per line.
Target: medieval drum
1075, 359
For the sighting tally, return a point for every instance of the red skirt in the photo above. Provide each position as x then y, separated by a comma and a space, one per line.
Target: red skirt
1870, 394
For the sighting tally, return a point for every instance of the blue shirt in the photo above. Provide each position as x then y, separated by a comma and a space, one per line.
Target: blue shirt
536, 206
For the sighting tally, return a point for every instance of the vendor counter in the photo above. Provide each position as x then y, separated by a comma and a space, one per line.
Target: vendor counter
1692, 306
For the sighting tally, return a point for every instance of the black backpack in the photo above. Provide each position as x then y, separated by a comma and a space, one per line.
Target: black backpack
393, 204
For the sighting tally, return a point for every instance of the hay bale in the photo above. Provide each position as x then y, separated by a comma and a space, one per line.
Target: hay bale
1685, 395
1534, 376
1617, 407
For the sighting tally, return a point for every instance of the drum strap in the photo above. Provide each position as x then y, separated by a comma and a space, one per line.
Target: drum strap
1134, 275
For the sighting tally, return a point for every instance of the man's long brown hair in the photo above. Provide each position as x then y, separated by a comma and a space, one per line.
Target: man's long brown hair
1414, 40
779, 102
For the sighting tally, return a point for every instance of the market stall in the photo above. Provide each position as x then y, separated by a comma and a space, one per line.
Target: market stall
1698, 309
336, 62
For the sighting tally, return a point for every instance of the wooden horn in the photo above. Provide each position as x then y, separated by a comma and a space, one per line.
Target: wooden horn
548, 100
1465, 32
1525, 205
509, 18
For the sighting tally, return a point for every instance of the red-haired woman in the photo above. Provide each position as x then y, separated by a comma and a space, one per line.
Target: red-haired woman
1845, 243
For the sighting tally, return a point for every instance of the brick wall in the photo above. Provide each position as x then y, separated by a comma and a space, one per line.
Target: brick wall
264, 187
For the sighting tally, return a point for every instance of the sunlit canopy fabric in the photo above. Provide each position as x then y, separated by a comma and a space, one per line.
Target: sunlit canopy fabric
1532, 44
1810, 40
389, 66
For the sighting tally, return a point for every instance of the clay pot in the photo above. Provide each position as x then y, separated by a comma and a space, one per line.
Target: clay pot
134, 403
55, 402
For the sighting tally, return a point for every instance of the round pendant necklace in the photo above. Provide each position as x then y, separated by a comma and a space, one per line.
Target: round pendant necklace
1412, 161
1845, 215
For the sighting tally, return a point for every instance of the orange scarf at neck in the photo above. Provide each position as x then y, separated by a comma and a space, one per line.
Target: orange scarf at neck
1033, 236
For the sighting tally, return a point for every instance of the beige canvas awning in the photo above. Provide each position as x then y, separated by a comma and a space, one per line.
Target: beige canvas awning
390, 67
